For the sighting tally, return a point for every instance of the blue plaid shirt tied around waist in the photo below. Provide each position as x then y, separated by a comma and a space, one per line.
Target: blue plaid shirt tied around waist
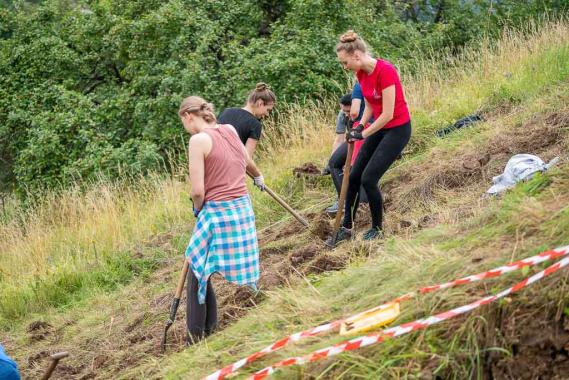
225, 241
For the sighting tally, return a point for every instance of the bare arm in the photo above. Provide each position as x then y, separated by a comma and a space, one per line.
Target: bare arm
251, 167
199, 147
388, 106
355, 108
367, 114
338, 140
251, 145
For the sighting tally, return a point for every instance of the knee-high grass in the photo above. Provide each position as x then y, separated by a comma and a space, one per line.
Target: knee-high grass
79, 241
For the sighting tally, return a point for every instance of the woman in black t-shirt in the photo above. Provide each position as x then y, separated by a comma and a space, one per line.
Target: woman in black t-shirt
260, 103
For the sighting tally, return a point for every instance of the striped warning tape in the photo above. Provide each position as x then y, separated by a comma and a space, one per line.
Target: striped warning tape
402, 329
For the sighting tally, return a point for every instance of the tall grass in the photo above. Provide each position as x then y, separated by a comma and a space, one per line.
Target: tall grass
521, 64
390, 270
75, 233
519, 69
66, 238
51, 250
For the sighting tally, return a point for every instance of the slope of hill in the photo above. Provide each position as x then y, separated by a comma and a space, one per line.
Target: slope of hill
439, 227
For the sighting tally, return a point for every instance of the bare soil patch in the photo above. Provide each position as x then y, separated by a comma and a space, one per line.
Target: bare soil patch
39, 330
307, 168
126, 341
537, 339
544, 136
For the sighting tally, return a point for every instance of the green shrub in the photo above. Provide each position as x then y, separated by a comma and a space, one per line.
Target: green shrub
94, 87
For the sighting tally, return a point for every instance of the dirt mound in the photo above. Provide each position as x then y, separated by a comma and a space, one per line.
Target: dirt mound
307, 168
326, 262
539, 344
321, 227
271, 280
38, 325
38, 357
363, 217
292, 228
542, 136
39, 330
302, 255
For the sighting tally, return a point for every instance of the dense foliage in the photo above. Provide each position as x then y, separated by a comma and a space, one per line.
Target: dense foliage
93, 87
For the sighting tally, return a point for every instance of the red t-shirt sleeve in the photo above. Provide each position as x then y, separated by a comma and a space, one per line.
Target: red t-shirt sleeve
387, 77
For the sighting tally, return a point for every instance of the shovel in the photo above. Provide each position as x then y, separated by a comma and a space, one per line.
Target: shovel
331, 243
55, 358
175, 304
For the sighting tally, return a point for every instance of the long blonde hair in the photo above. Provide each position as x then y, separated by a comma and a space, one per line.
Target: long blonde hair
198, 106
350, 42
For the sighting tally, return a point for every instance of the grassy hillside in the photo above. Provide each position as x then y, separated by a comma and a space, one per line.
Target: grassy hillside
117, 250
441, 229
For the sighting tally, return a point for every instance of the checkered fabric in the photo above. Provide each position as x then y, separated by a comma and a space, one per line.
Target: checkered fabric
225, 241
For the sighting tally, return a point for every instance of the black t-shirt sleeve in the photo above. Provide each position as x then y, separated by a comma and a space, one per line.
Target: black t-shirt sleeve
256, 130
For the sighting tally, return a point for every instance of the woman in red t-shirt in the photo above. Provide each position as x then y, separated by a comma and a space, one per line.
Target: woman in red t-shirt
384, 139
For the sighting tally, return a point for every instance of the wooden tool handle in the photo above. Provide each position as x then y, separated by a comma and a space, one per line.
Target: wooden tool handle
286, 206
55, 358
283, 204
182, 279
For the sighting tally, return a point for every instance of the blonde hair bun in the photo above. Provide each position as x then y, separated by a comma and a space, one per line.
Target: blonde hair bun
206, 107
349, 36
198, 106
350, 42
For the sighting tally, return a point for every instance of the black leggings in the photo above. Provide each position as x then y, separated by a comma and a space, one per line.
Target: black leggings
376, 155
201, 320
336, 165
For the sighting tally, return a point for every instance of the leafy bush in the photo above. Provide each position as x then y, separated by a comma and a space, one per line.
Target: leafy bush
93, 87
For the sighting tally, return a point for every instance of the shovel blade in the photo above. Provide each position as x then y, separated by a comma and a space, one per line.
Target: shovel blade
370, 319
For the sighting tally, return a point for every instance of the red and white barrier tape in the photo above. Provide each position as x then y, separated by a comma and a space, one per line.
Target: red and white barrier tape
402, 329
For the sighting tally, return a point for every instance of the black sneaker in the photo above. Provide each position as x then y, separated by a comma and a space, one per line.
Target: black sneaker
343, 234
373, 233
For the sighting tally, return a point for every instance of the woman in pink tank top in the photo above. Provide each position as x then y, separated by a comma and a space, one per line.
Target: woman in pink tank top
224, 239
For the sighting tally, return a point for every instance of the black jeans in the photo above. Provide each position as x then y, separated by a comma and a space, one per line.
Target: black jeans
336, 165
201, 320
376, 155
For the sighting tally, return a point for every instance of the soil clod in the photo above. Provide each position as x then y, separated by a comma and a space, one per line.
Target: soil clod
302, 255
321, 227
326, 263
39, 330
307, 168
